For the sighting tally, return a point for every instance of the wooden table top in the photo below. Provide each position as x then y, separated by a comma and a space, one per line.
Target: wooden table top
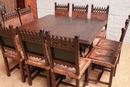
87, 29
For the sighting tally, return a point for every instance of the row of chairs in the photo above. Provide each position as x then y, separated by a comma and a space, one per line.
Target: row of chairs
58, 56
105, 55
81, 11
17, 17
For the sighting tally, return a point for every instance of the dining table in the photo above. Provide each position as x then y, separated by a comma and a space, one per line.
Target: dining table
86, 29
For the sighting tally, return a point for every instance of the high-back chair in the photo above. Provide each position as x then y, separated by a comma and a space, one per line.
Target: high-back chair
79, 11
34, 50
65, 59
26, 15
105, 59
100, 13
62, 9
113, 44
11, 18
10, 51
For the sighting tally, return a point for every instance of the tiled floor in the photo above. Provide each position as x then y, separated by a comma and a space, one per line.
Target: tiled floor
121, 79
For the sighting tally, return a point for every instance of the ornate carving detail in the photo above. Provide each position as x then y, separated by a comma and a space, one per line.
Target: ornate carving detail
101, 10
10, 15
80, 8
79, 11
62, 41
62, 9
30, 35
100, 13
5, 32
25, 10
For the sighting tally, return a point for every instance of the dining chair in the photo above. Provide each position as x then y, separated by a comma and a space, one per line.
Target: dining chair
34, 50
65, 59
25, 15
62, 9
106, 60
113, 44
11, 18
10, 51
100, 13
79, 11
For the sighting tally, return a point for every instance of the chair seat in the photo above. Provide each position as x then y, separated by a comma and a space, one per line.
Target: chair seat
102, 34
103, 57
68, 71
37, 62
13, 55
109, 44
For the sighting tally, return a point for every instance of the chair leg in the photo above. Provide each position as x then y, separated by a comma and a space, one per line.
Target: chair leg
81, 50
48, 78
53, 79
22, 71
77, 82
29, 74
119, 58
115, 70
111, 77
86, 80
6, 66
93, 66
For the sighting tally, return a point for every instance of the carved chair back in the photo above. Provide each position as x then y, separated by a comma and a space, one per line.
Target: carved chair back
79, 11
9, 50
99, 13
33, 45
63, 51
34, 50
26, 15
61, 9
11, 18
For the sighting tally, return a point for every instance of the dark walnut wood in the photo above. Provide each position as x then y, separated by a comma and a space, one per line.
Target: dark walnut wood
106, 60
10, 51
105, 55
34, 50
61, 9
87, 29
11, 18
100, 13
26, 15
113, 44
65, 59
79, 11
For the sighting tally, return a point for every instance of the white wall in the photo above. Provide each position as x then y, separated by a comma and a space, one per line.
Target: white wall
118, 12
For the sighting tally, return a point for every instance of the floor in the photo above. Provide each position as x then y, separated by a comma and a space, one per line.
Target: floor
121, 79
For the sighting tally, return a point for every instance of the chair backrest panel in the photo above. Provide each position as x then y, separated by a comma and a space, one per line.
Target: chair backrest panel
61, 9
99, 13
7, 40
11, 18
79, 11
63, 50
26, 15
69, 56
33, 44
6, 37
33, 48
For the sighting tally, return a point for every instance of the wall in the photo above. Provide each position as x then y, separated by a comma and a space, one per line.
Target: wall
118, 12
